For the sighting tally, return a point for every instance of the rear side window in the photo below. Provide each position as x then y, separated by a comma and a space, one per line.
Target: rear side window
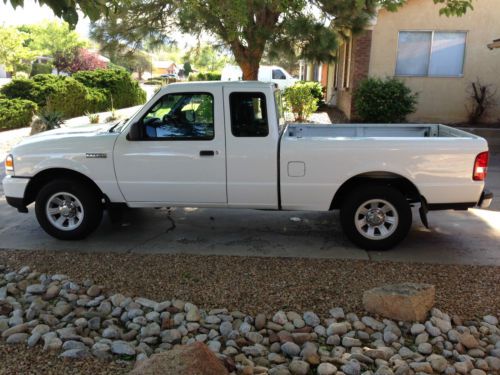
248, 114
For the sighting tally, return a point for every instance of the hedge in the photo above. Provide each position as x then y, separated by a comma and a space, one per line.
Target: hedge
209, 76
36, 89
40, 68
97, 100
69, 98
87, 91
124, 91
16, 113
23, 89
154, 82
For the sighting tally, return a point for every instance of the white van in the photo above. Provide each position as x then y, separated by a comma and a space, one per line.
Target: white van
275, 74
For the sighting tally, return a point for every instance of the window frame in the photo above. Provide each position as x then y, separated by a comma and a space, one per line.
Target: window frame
259, 94
165, 139
432, 32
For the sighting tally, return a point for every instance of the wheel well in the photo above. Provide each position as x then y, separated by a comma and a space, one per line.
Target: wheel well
405, 186
43, 177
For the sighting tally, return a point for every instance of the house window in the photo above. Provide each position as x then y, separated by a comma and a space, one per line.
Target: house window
347, 65
336, 71
431, 53
315, 72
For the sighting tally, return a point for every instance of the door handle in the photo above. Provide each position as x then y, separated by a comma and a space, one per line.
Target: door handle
207, 153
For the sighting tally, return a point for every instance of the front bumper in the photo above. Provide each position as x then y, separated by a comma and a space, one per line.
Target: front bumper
14, 188
486, 199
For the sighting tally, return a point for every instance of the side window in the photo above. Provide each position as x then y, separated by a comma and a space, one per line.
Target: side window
278, 74
188, 116
248, 114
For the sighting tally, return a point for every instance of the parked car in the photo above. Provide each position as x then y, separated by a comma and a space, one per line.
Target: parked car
225, 144
274, 74
169, 75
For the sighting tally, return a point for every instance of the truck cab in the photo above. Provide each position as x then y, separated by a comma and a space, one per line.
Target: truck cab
220, 140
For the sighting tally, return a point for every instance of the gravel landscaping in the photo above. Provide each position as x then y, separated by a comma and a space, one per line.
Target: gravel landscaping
260, 313
79, 320
264, 285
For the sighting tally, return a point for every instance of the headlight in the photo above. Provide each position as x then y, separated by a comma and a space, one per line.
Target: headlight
9, 163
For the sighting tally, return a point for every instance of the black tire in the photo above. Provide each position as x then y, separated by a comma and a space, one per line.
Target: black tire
92, 208
356, 200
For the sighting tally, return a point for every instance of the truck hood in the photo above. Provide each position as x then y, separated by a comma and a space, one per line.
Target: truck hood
83, 130
74, 139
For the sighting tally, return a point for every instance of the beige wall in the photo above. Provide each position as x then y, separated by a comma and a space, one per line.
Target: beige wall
442, 99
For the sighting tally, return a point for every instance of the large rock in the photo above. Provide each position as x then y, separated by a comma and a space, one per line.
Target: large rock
37, 126
195, 359
406, 301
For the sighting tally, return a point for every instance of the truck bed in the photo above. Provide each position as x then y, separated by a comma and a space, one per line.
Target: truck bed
438, 159
374, 131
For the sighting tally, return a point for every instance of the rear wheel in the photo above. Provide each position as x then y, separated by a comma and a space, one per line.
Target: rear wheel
376, 217
68, 210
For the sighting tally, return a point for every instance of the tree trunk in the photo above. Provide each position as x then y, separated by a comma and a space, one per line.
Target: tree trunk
250, 70
248, 60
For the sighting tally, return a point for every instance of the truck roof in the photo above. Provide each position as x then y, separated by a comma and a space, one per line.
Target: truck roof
245, 84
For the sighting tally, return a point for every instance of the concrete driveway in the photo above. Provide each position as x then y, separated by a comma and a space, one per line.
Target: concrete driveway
455, 237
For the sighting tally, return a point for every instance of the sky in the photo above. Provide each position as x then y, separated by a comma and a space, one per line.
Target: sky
34, 13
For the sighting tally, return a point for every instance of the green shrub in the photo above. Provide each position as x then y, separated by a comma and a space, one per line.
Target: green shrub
201, 76
119, 83
47, 79
98, 100
41, 68
68, 98
384, 100
300, 101
36, 89
87, 91
22, 89
16, 113
316, 90
21, 75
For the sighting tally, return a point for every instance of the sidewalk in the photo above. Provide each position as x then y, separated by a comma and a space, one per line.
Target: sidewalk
10, 138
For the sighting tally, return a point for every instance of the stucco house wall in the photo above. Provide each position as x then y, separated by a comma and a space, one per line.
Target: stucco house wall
441, 99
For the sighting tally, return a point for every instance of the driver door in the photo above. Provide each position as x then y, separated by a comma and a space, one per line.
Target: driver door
180, 157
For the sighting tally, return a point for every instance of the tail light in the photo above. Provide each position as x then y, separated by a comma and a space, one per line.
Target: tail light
480, 166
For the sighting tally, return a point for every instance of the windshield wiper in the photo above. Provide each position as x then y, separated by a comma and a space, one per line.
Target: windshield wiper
117, 124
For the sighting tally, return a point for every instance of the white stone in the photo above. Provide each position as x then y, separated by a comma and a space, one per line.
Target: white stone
326, 369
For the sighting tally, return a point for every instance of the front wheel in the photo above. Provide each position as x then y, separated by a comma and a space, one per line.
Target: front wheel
68, 210
376, 217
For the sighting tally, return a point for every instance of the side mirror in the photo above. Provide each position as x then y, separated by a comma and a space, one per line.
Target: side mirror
134, 134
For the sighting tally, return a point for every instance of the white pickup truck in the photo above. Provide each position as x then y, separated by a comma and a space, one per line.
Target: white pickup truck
225, 144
